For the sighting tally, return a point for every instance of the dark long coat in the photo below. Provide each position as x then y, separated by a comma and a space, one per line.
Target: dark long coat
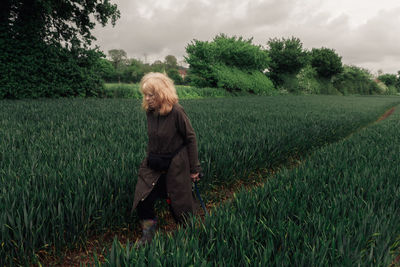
166, 134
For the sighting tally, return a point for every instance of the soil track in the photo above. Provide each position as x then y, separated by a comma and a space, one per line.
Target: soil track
100, 244
387, 114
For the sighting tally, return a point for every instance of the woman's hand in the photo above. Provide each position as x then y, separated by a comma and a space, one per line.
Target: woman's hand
195, 177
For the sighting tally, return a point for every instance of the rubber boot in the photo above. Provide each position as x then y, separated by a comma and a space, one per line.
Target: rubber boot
149, 229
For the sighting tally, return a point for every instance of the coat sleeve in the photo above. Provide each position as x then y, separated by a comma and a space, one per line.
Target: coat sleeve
186, 130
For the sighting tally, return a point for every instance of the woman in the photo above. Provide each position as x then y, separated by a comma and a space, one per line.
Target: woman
172, 161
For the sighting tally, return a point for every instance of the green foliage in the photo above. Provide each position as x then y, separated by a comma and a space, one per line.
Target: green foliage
392, 82
171, 62
238, 53
388, 79
33, 70
134, 71
287, 58
69, 166
200, 58
210, 62
44, 47
327, 87
308, 80
106, 70
233, 79
326, 62
60, 22
175, 76
356, 80
398, 82
118, 58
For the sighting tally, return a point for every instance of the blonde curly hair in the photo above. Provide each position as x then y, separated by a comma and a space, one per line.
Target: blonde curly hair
163, 89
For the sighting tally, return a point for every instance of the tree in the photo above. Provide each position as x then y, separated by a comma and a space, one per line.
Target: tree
107, 70
239, 53
158, 66
135, 70
208, 61
287, 58
175, 76
45, 47
118, 57
388, 79
397, 85
67, 22
326, 62
355, 80
171, 62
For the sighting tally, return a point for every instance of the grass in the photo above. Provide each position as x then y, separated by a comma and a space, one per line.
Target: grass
68, 166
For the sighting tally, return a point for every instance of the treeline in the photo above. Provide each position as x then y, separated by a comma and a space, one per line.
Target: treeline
119, 68
235, 64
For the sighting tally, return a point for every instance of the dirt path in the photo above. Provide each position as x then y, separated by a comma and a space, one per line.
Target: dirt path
100, 244
386, 114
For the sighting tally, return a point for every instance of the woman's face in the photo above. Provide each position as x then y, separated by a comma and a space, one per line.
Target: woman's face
150, 99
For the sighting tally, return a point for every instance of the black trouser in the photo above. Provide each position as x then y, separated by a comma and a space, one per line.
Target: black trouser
146, 208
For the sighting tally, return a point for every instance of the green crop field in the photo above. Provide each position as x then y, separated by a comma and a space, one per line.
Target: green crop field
340, 208
68, 166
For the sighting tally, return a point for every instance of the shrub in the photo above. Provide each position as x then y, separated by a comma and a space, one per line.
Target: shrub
388, 79
307, 80
326, 62
233, 79
287, 58
212, 61
356, 80
41, 70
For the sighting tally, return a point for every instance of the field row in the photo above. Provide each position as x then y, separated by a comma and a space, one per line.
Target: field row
68, 167
340, 208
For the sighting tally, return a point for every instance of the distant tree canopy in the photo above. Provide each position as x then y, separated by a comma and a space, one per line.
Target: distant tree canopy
118, 57
392, 81
355, 80
287, 58
222, 61
388, 79
326, 62
131, 70
67, 22
45, 44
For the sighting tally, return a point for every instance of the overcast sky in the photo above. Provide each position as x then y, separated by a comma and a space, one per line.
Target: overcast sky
365, 33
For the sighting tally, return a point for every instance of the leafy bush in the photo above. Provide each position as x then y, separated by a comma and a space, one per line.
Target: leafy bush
220, 59
308, 80
388, 79
233, 79
42, 70
391, 82
326, 62
175, 76
287, 58
356, 80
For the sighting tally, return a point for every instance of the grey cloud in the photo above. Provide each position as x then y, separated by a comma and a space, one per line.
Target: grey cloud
373, 44
172, 28
158, 30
